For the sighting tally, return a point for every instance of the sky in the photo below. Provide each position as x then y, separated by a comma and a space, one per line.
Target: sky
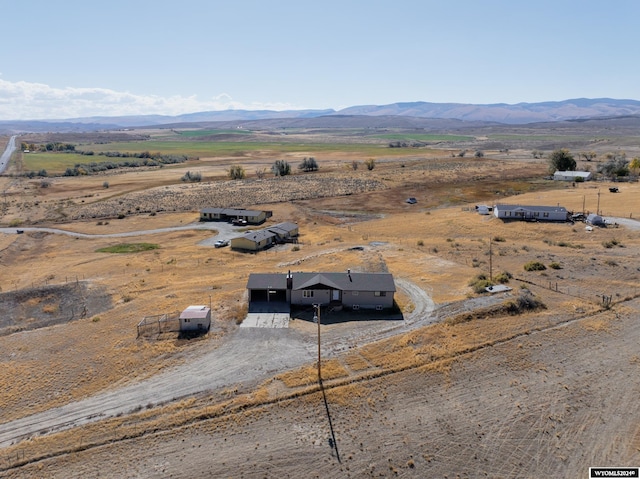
78, 58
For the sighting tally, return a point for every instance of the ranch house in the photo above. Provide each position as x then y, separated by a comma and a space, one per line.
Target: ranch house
531, 213
261, 239
350, 290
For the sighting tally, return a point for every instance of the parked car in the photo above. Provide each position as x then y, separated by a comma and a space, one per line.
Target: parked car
221, 243
412, 201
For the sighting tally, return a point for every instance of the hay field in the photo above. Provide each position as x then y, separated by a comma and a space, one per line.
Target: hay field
438, 244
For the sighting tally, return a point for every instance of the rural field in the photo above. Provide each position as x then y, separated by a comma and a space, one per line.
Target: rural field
536, 381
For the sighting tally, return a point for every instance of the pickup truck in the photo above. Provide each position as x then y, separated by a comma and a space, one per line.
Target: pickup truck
221, 243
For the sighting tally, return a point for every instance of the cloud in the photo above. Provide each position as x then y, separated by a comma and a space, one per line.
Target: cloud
37, 101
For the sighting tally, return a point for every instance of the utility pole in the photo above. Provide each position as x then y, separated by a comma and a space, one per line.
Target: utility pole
490, 261
316, 318
598, 207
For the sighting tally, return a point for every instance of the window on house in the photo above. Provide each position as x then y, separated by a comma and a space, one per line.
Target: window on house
355, 293
380, 293
546, 215
307, 293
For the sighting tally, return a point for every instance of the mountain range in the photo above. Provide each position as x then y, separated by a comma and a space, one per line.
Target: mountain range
497, 113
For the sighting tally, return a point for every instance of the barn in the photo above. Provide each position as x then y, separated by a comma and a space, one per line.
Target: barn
531, 213
195, 319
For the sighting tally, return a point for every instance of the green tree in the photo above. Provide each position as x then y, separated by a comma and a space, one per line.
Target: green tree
370, 164
236, 172
479, 154
281, 168
561, 160
308, 164
634, 165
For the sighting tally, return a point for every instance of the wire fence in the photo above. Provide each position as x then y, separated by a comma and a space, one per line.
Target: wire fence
157, 324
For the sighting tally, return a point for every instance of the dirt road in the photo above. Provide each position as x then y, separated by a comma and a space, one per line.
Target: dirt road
246, 357
545, 404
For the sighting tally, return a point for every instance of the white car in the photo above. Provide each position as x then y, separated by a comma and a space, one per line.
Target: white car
221, 243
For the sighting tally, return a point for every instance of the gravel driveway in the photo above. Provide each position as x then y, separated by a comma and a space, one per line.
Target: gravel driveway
247, 356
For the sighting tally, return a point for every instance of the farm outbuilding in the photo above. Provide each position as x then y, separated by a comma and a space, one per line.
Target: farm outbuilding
195, 319
572, 176
531, 213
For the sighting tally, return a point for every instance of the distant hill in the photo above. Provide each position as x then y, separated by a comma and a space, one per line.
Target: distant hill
399, 115
520, 113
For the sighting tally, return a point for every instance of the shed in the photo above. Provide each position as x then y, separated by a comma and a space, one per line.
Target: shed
595, 220
195, 318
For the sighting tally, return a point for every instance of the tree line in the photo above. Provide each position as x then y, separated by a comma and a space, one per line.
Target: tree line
615, 164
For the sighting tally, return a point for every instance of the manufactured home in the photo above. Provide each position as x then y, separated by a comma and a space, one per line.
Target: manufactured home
572, 176
531, 213
265, 238
254, 217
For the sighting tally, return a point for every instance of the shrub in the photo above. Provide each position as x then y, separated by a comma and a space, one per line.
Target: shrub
236, 172
105, 184
420, 243
479, 283
503, 277
192, 177
611, 243
534, 266
499, 239
555, 265
526, 301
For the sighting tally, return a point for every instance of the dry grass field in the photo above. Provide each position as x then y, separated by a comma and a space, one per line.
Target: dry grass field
480, 393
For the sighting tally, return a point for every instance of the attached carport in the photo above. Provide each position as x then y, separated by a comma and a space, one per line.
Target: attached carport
267, 292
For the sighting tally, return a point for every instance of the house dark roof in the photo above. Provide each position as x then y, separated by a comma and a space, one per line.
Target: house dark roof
257, 235
231, 211
346, 281
285, 228
342, 281
267, 280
